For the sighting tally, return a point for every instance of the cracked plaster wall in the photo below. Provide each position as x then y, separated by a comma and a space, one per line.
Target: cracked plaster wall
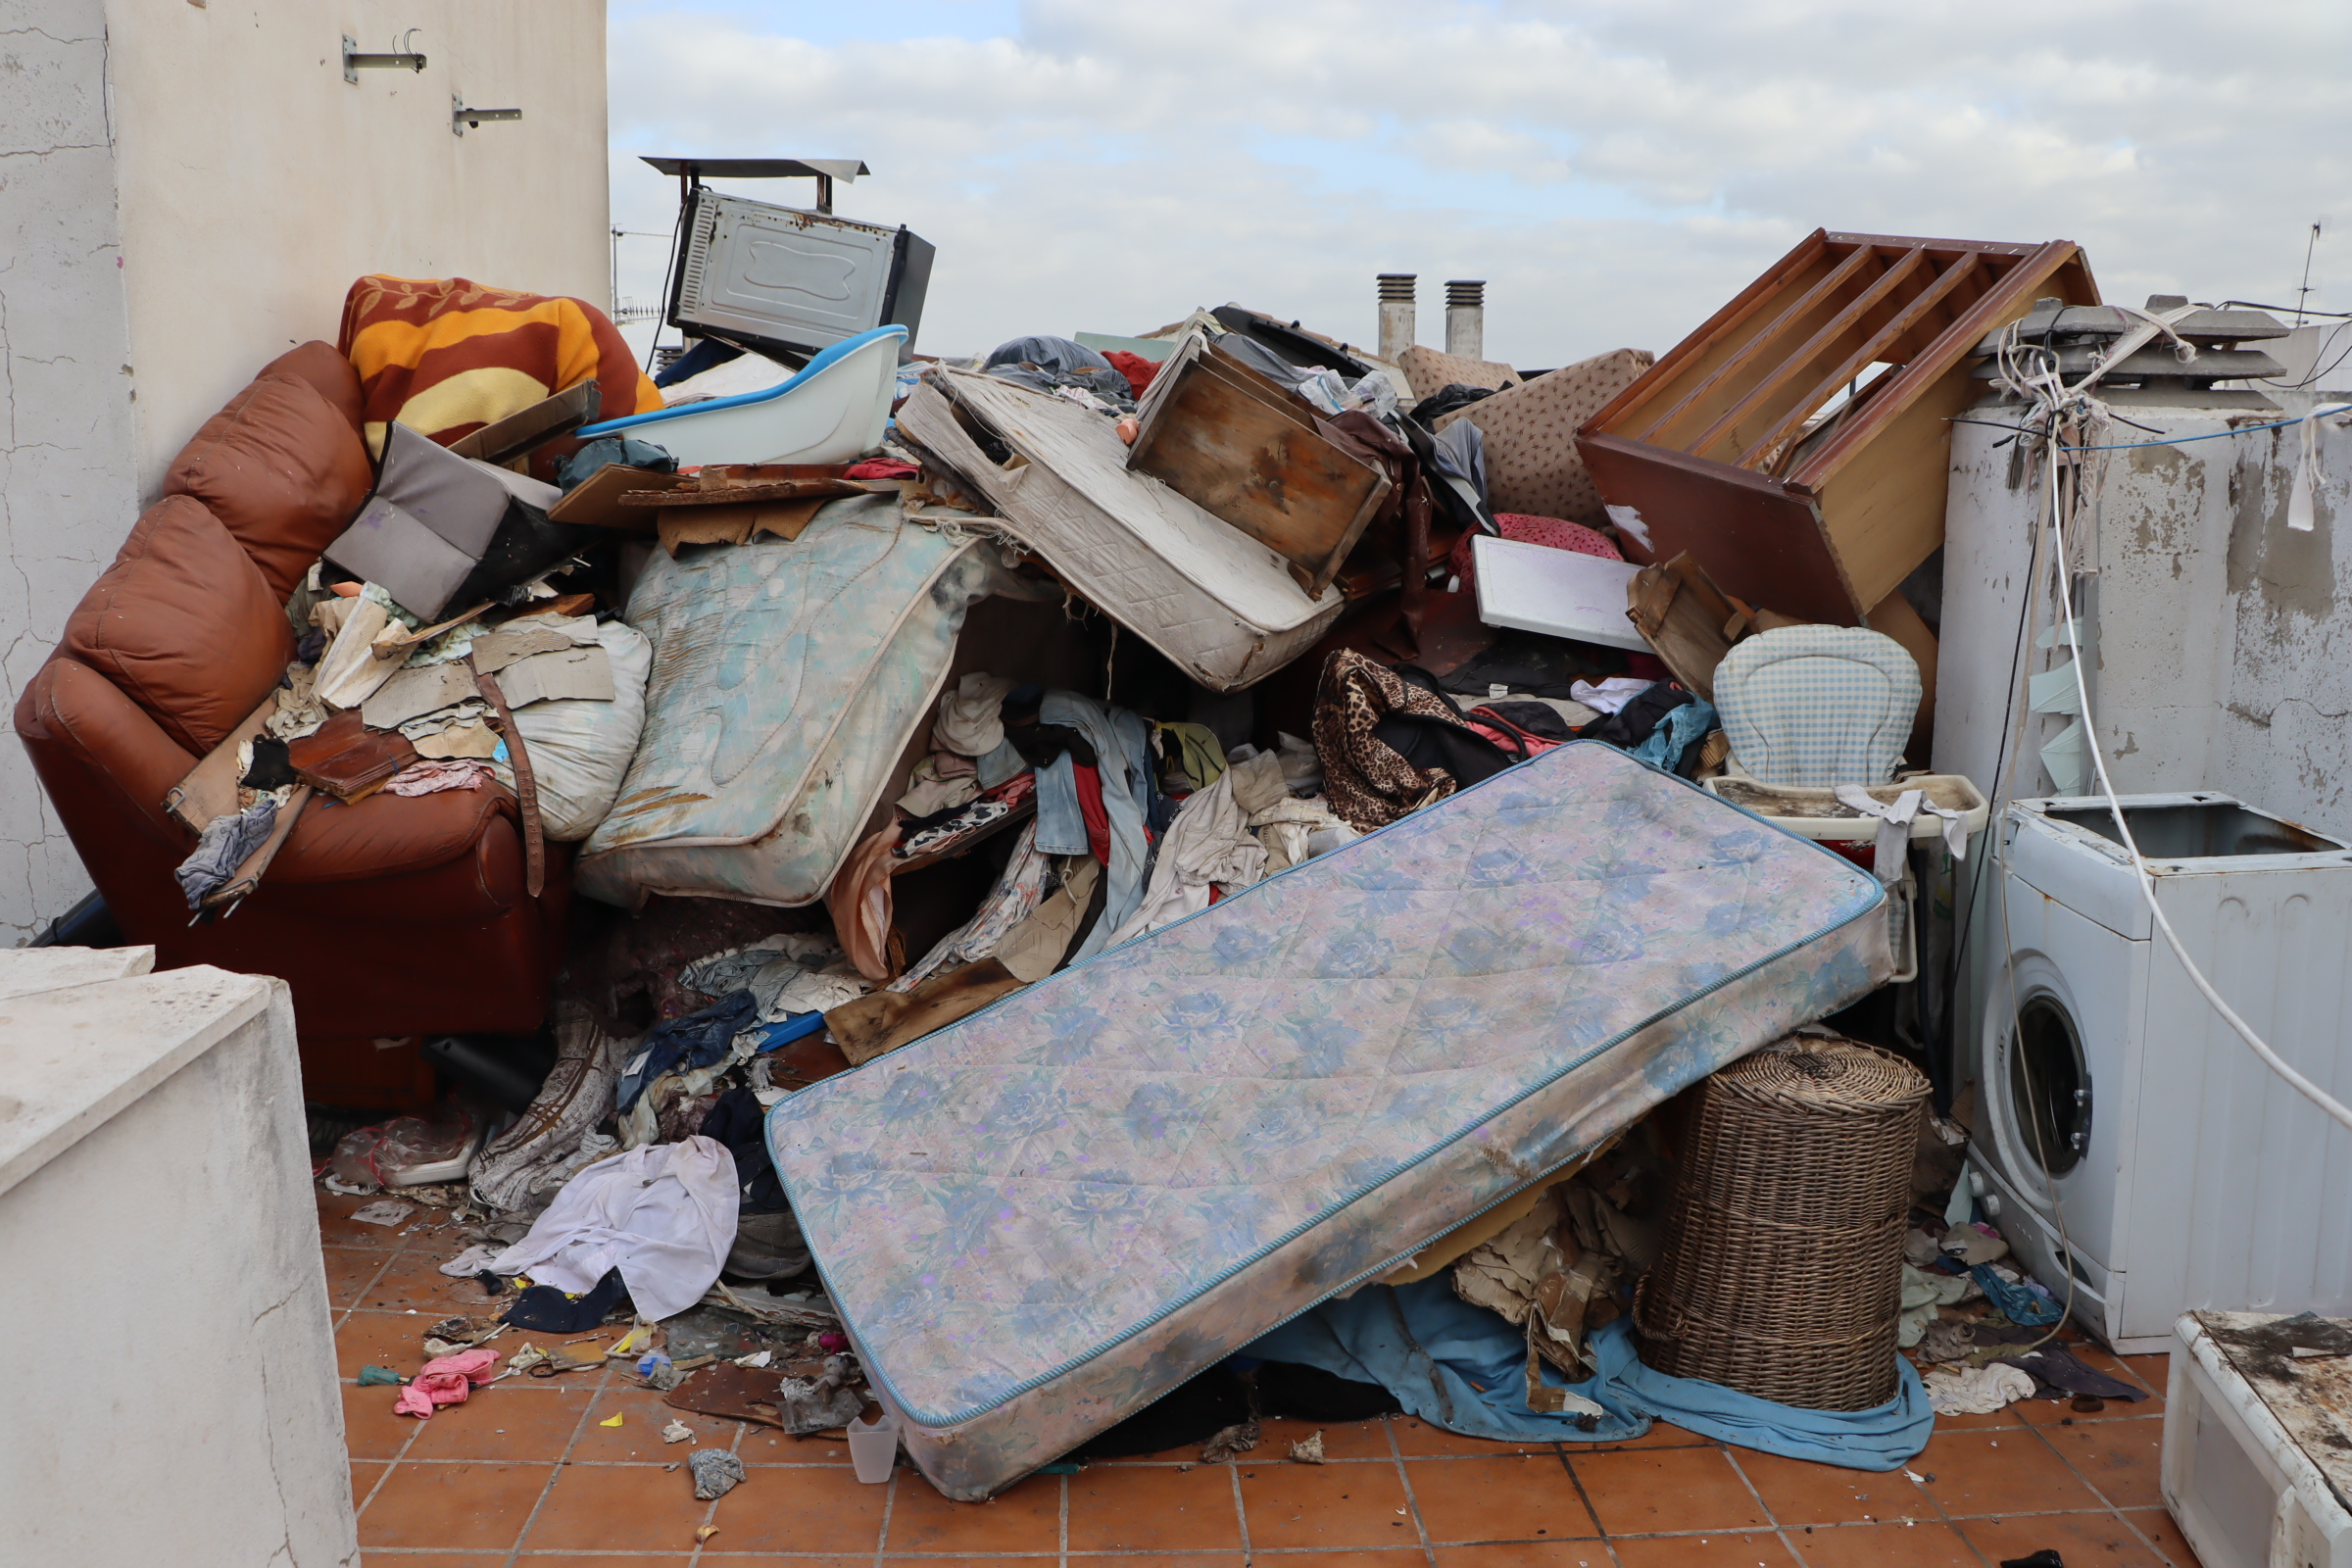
2219, 640
68, 480
186, 191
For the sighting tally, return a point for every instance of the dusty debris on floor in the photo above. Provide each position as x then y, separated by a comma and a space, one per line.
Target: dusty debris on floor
1039, 908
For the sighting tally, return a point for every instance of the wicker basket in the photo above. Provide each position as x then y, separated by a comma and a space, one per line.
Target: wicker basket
1781, 1273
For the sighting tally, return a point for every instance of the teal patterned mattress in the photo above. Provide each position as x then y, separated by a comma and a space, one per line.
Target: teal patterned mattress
1041, 1218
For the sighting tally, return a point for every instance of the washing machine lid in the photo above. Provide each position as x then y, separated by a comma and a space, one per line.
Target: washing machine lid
2066, 848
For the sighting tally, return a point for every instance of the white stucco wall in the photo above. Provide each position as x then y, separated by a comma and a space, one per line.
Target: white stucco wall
186, 191
256, 183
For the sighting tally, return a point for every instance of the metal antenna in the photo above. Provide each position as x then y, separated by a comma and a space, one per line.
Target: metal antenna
2303, 294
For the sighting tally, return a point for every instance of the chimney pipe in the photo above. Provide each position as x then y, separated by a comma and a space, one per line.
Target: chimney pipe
1466, 318
1396, 328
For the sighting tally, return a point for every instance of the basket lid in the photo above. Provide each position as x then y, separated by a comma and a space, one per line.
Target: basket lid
1825, 1074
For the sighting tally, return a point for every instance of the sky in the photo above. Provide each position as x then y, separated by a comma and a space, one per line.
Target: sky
1615, 171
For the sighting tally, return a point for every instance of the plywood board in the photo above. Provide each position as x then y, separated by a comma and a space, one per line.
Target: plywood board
1247, 451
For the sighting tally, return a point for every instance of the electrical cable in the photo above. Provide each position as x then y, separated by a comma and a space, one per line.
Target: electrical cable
2256, 304
2173, 441
668, 268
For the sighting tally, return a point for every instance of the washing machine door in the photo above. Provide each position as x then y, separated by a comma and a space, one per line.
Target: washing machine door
2053, 1079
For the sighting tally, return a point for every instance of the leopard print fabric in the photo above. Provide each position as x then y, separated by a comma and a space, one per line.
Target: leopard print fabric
1368, 784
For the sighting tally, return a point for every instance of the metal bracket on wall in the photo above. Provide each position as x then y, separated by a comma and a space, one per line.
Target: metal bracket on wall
460, 117
402, 59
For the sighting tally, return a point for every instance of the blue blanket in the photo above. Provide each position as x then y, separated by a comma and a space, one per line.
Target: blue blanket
1463, 1368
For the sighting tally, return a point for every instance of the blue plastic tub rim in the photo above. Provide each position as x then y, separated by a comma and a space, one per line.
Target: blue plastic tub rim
825, 359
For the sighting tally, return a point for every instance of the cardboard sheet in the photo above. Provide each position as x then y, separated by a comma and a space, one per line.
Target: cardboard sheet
574, 673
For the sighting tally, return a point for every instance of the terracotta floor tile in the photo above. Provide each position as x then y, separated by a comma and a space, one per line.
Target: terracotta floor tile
1498, 1498
2083, 1539
1341, 1439
1335, 1508
1141, 1509
348, 1271
1636, 1492
1661, 1434
1416, 1436
501, 1422
337, 1229
1188, 1561
365, 1474
813, 1510
392, 1340
2062, 1412
2119, 1459
638, 1438
2009, 1416
2157, 1525
453, 1506
1993, 1473
1027, 1518
1734, 1551
371, 1430
619, 1507
1800, 1492
765, 1445
1390, 1558
1519, 1554
1928, 1544
564, 1559
414, 1278
2154, 1371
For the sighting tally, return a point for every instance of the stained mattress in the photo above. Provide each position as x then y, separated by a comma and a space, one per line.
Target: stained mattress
788, 676
1041, 1218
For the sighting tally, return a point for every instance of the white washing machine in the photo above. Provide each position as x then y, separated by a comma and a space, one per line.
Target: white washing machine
2111, 1097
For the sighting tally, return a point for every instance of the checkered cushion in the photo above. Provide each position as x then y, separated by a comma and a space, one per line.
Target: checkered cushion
1818, 706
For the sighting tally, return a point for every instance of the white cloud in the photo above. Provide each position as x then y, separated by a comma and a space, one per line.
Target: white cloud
1615, 170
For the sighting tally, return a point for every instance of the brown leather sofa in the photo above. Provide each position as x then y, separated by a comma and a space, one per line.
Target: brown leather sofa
392, 916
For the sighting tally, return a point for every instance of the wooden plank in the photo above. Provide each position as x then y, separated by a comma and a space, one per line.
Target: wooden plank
1862, 359
522, 431
1720, 391
1233, 444
1846, 321
1698, 353
1894, 616
2005, 303
1754, 537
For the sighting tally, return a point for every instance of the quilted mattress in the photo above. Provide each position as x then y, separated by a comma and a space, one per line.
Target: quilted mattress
1041, 1218
788, 676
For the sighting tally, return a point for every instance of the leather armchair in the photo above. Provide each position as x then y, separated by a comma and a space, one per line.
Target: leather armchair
393, 916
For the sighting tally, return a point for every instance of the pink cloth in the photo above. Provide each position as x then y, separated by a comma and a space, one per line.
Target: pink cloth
446, 1381
433, 777
881, 469
1557, 532
1511, 738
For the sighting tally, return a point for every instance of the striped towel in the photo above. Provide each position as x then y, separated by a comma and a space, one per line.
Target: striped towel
445, 356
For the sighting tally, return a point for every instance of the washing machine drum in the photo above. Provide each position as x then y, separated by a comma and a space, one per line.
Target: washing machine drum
2041, 1083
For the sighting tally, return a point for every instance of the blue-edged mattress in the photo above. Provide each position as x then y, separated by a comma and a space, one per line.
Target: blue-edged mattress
1041, 1218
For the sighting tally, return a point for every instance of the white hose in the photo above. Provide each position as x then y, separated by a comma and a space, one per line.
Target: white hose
2147, 884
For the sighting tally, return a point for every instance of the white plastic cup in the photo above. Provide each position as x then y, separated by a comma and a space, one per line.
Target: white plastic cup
874, 1447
